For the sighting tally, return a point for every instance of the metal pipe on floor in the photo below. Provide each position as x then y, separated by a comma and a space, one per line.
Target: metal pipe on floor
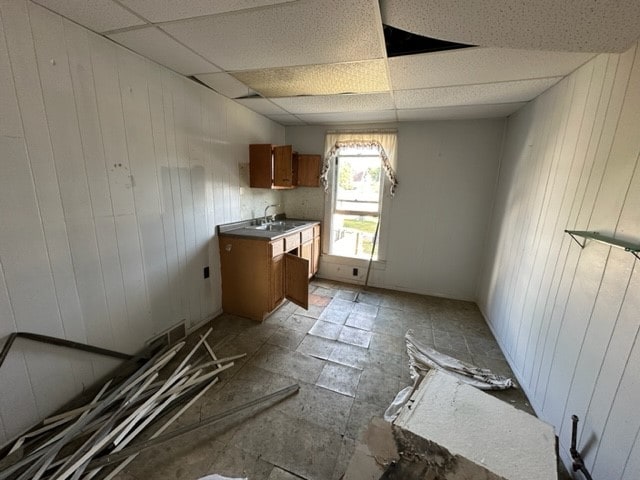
135, 449
59, 342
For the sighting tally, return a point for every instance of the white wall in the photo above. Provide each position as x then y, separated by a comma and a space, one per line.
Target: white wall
114, 173
568, 318
438, 219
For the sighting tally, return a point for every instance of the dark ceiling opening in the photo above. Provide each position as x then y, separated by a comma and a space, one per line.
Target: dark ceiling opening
400, 42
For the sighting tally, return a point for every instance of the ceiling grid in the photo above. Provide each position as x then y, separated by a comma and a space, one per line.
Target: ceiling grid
325, 61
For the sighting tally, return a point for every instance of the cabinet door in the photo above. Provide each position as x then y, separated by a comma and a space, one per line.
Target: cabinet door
296, 280
277, 281
309, 170
306, 252
246, 278
282, 166
260, 165
315, 260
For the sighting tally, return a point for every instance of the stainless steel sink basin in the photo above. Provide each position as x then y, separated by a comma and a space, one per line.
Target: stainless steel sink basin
281, 226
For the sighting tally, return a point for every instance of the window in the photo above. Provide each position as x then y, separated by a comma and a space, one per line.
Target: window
356, 202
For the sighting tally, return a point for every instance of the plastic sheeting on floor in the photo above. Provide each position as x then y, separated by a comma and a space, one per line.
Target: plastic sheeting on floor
423, 358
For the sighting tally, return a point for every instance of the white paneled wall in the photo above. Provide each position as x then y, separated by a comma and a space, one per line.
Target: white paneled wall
567, 318
114, 173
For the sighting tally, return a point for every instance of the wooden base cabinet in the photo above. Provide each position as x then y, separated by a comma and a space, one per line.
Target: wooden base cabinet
257, 275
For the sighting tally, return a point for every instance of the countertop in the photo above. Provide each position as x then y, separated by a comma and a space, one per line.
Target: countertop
247, 229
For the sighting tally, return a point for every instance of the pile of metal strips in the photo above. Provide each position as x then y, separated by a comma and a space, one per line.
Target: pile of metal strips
94, 440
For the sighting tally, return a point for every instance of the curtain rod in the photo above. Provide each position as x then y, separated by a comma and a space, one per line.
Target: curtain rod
367, 130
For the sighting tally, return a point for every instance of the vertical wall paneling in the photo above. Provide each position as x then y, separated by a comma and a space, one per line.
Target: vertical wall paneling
17, 404
206, 210
591, 268
171, 180
568, 319
107, 99
116, 172
613, 425
564, 186
10, 125
585, 177
197, 159
151, 263
68, 225
163, 179
184, 125
632, 467
94, 306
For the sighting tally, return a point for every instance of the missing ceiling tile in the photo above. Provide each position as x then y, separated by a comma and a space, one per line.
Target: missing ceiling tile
400, 42
249, 95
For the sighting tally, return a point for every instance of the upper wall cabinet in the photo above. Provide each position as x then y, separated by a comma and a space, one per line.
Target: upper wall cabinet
308, 170
278, 167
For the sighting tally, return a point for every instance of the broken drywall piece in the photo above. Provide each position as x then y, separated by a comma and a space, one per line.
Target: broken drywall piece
423, 359
376, 451
460, 432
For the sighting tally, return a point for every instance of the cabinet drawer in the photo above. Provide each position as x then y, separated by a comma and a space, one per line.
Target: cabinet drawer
316, 230
306, 235
277, 247
291, 242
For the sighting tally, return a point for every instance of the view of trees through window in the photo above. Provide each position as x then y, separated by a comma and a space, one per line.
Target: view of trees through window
356, 206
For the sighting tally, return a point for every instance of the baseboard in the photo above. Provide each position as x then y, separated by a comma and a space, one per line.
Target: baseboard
201, 323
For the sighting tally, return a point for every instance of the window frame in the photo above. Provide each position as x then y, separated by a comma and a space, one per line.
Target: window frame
379, 214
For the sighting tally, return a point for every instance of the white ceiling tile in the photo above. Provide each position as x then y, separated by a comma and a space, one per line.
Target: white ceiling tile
463, 112
336, 103
167, 10
158, 46
97, 15
261, 106
488, 93
225, 84
479, 65
568, 25
286, 119
349, 117
297, 33
329, 79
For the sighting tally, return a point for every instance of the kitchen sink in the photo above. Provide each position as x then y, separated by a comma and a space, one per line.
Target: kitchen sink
281, 226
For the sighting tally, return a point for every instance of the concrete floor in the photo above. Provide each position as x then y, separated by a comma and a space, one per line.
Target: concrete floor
349, 359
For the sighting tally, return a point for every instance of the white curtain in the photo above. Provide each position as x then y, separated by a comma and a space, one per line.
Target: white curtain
383, 141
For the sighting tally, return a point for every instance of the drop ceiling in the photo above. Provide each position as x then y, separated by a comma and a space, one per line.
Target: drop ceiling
303, 62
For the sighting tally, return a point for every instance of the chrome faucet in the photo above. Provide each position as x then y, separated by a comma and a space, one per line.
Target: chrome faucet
264, 220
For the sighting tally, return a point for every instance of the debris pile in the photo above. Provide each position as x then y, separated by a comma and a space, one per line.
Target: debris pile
90, 441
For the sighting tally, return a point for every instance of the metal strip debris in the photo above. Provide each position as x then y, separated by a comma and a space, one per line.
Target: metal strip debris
99, 438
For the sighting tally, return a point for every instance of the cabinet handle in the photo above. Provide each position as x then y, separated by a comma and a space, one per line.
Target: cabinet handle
228, 247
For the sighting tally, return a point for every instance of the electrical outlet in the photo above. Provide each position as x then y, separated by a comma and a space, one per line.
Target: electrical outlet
355, 272
206, 272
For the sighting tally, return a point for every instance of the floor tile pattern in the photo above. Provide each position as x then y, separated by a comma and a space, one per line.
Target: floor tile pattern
346, 352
